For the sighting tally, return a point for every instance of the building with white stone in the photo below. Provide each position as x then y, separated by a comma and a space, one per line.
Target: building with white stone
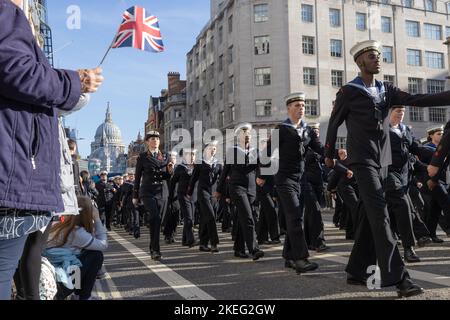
252, 53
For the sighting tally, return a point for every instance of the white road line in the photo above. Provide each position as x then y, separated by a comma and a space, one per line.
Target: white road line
415, 275
183, 287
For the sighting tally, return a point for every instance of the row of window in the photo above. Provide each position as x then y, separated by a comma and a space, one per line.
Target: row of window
433, 60
432, 31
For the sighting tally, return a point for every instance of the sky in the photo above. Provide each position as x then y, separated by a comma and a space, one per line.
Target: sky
131, 76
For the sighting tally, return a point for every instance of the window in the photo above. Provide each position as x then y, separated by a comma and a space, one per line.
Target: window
412, 28
433, 31
231, 84
232, 113
212, 95
429, 5
385, 1
408, 3
447, 32
435, 86
178, 126
262, 45
336, 78
308, 45
220, 63
197, 83
178, 114
221, 91
414, 85
311, 109
309, 76
211, 72
335, 18
389, 79
262, 76
230, 24
307, 13
434, 60
438, 115
190, 66
388, 55
386, 24
413, 57
261, 12
416, 114
204, 52
361, 21
220, 34
211, 44
448, 7
263, 108
230, 55
341, 143
222, 118
336, 48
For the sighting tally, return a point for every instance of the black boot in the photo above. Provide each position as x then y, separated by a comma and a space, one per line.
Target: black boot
240, 254
423, 241
436, 239
351, 280
289, 264
410, 255
257, 254
407, 288
304, 265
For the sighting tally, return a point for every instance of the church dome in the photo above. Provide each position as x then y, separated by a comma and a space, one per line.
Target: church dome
108, 132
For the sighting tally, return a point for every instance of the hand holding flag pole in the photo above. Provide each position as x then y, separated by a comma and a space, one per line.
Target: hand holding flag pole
138, 30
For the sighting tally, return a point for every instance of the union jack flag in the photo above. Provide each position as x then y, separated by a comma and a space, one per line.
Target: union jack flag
139, 30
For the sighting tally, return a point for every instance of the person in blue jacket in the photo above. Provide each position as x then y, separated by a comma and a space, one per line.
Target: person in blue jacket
32, 93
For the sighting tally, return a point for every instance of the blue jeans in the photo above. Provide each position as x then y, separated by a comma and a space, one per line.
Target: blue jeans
10, 253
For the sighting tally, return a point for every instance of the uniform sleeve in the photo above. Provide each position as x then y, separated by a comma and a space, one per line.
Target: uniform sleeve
337, 117
267, 152
443, 149
221, 185
315, 143
402, 98
23, 77
173, 182
137, 177
194, 179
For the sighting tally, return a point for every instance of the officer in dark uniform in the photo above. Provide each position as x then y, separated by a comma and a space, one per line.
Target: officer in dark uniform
104, 199
314, 198
294, 138
364, 104
206, 174
171, 216
182, 176
126, 191
152, 169
240, 167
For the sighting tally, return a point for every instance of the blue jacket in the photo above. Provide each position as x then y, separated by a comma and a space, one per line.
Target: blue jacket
31, 92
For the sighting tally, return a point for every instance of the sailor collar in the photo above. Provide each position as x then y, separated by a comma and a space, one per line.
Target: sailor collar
289, 123
359, 84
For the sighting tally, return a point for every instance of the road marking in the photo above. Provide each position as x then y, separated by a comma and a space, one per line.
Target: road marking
183, 287
106, 289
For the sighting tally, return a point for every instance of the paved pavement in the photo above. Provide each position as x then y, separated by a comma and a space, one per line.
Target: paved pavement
187, 274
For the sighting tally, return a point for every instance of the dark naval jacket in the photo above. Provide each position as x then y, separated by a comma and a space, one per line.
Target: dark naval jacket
181, 176
240, 170
206, 174
151, 173
367, 128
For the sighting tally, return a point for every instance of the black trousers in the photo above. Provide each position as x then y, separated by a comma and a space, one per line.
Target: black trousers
268, 219
373, 240
246, 234
288, 189
314, 229
437, 202
153, 207
419, 228
171, 219
108, 215
399, 207
92, 261
207, 227
28, 273
349, 196
187, 211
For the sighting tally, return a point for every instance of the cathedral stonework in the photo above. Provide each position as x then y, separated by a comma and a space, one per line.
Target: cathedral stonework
107, 150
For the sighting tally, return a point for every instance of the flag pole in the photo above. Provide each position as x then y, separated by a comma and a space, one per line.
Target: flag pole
107, 51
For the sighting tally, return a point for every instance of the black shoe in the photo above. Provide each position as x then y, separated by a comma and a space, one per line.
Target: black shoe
304, 265
407, 288
214, 249
436, 240
205, 249
276, 241
289, 264
323, 247
411, 256
423, 241
156, 255
351, 280
242, 255
258, 254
